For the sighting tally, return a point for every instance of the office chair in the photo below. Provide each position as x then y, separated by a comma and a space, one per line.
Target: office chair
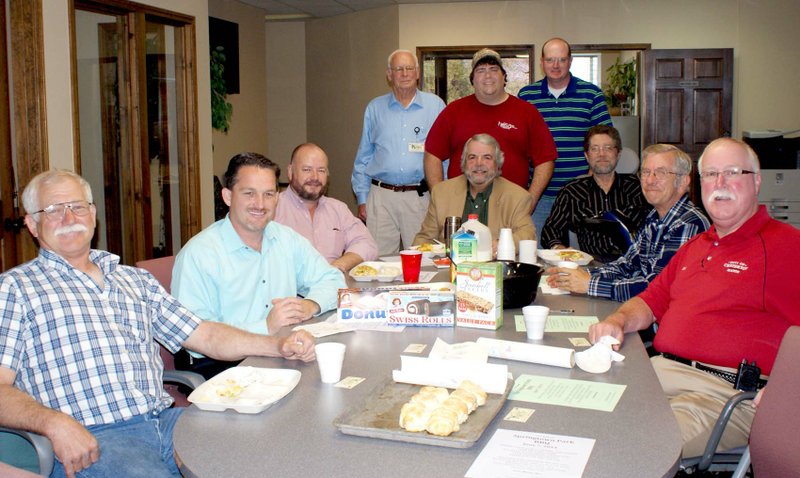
773, 436
614, 225
627, 161
41, 447
161, 268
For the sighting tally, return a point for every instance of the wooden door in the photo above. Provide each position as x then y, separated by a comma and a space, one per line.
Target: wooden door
688, 99
28, 156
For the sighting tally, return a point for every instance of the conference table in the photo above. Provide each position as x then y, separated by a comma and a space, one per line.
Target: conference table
296, 437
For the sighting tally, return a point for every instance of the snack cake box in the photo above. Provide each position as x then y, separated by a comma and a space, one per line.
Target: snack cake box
426, 305
479, 295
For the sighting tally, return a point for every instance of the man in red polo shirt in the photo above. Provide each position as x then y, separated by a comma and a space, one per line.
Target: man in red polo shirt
728, 295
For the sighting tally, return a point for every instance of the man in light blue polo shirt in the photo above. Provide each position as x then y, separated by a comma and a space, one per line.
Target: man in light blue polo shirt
387, 174
248, 271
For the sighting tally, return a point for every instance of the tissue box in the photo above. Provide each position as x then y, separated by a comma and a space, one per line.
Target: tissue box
431, 305
479, 295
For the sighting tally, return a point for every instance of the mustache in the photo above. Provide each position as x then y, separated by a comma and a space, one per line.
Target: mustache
71, 228
722, 194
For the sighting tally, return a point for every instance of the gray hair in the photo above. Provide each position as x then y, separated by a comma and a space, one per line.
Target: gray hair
755, 164
391, 55
30, 195
683, 163
488, 140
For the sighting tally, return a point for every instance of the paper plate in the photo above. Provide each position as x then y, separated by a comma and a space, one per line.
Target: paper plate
554, 256
380, 271
245, 389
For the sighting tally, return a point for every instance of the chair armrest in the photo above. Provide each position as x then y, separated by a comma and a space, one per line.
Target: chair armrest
42, 445
184, 377
719, 428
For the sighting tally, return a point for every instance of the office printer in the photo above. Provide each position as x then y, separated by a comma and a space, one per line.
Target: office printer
774, 149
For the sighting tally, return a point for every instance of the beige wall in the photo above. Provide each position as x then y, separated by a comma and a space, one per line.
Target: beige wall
346, 67
763, 34
58, 89
286, 90
248, 129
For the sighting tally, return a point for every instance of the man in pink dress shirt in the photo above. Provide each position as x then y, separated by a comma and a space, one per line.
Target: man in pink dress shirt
326, 222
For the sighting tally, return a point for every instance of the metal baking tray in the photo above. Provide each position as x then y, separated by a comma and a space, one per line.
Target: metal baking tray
379, 414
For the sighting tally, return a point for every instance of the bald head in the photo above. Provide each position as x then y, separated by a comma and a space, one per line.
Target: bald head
308, 171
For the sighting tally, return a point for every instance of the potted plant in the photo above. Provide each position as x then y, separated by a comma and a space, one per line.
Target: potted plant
621, 87
221, 110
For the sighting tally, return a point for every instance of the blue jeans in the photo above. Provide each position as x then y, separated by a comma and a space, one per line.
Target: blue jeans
138, 447
540, 215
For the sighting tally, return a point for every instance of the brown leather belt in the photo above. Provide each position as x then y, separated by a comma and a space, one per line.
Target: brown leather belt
392, 187
723, 374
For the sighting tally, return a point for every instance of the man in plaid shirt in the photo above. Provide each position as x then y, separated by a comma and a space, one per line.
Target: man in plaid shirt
665, 175
79, 343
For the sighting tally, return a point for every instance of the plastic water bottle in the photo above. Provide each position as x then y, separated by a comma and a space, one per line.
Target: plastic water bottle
483, 234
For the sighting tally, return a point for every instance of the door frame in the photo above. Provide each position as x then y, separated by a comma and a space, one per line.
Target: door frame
134, 157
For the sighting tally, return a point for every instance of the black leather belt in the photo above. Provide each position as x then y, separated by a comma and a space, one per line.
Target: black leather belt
723, 374
392, 187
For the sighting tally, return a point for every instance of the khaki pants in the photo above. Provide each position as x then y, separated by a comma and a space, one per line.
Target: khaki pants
393, 216
697, 398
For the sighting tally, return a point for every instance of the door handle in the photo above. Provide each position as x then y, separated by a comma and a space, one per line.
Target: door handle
15, 225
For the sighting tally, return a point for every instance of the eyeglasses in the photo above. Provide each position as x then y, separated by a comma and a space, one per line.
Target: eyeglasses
658, 173
56, 212
400, 69
728, 174
560, 61
606, 149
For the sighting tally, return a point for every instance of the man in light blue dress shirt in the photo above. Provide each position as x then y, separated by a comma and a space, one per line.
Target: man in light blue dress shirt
247, 270
387, 174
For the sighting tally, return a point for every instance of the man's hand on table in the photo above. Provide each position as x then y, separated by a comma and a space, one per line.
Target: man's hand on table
290, 311
573, 280
298, 346
74, 446
613, 325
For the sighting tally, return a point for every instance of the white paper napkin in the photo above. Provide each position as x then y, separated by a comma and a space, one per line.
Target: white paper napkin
598, 358
464, 351
546, 289
450, 373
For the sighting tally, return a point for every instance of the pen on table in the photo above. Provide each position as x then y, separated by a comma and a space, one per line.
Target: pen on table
562, 311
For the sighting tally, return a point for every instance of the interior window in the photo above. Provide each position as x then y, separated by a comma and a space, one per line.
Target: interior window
445, 70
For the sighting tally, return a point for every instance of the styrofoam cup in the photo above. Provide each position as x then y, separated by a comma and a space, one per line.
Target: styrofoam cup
330, 357
527, 251
535, 317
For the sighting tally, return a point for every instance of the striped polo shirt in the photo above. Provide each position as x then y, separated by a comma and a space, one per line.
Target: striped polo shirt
581, 106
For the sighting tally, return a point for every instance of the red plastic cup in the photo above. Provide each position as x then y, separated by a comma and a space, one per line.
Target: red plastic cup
412, 261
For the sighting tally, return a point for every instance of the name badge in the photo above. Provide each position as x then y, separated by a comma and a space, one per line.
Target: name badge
416, 147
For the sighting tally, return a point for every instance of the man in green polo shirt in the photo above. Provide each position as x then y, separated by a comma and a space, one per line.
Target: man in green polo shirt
481, 190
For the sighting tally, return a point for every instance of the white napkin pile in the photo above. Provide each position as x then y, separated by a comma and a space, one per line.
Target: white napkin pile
448, 365
598, 358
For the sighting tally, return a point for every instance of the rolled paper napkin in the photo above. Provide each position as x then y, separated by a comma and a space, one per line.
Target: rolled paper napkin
542, 354
598, 358
493, 378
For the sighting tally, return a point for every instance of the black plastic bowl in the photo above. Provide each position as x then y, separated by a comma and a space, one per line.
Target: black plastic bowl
520, 283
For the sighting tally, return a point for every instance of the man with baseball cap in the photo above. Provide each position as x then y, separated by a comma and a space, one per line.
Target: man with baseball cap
517, 125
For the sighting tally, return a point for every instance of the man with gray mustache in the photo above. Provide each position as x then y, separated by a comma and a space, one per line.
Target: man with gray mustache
728, 295
79, 358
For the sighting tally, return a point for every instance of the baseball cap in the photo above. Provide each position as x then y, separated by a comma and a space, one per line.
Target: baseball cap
486, 54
